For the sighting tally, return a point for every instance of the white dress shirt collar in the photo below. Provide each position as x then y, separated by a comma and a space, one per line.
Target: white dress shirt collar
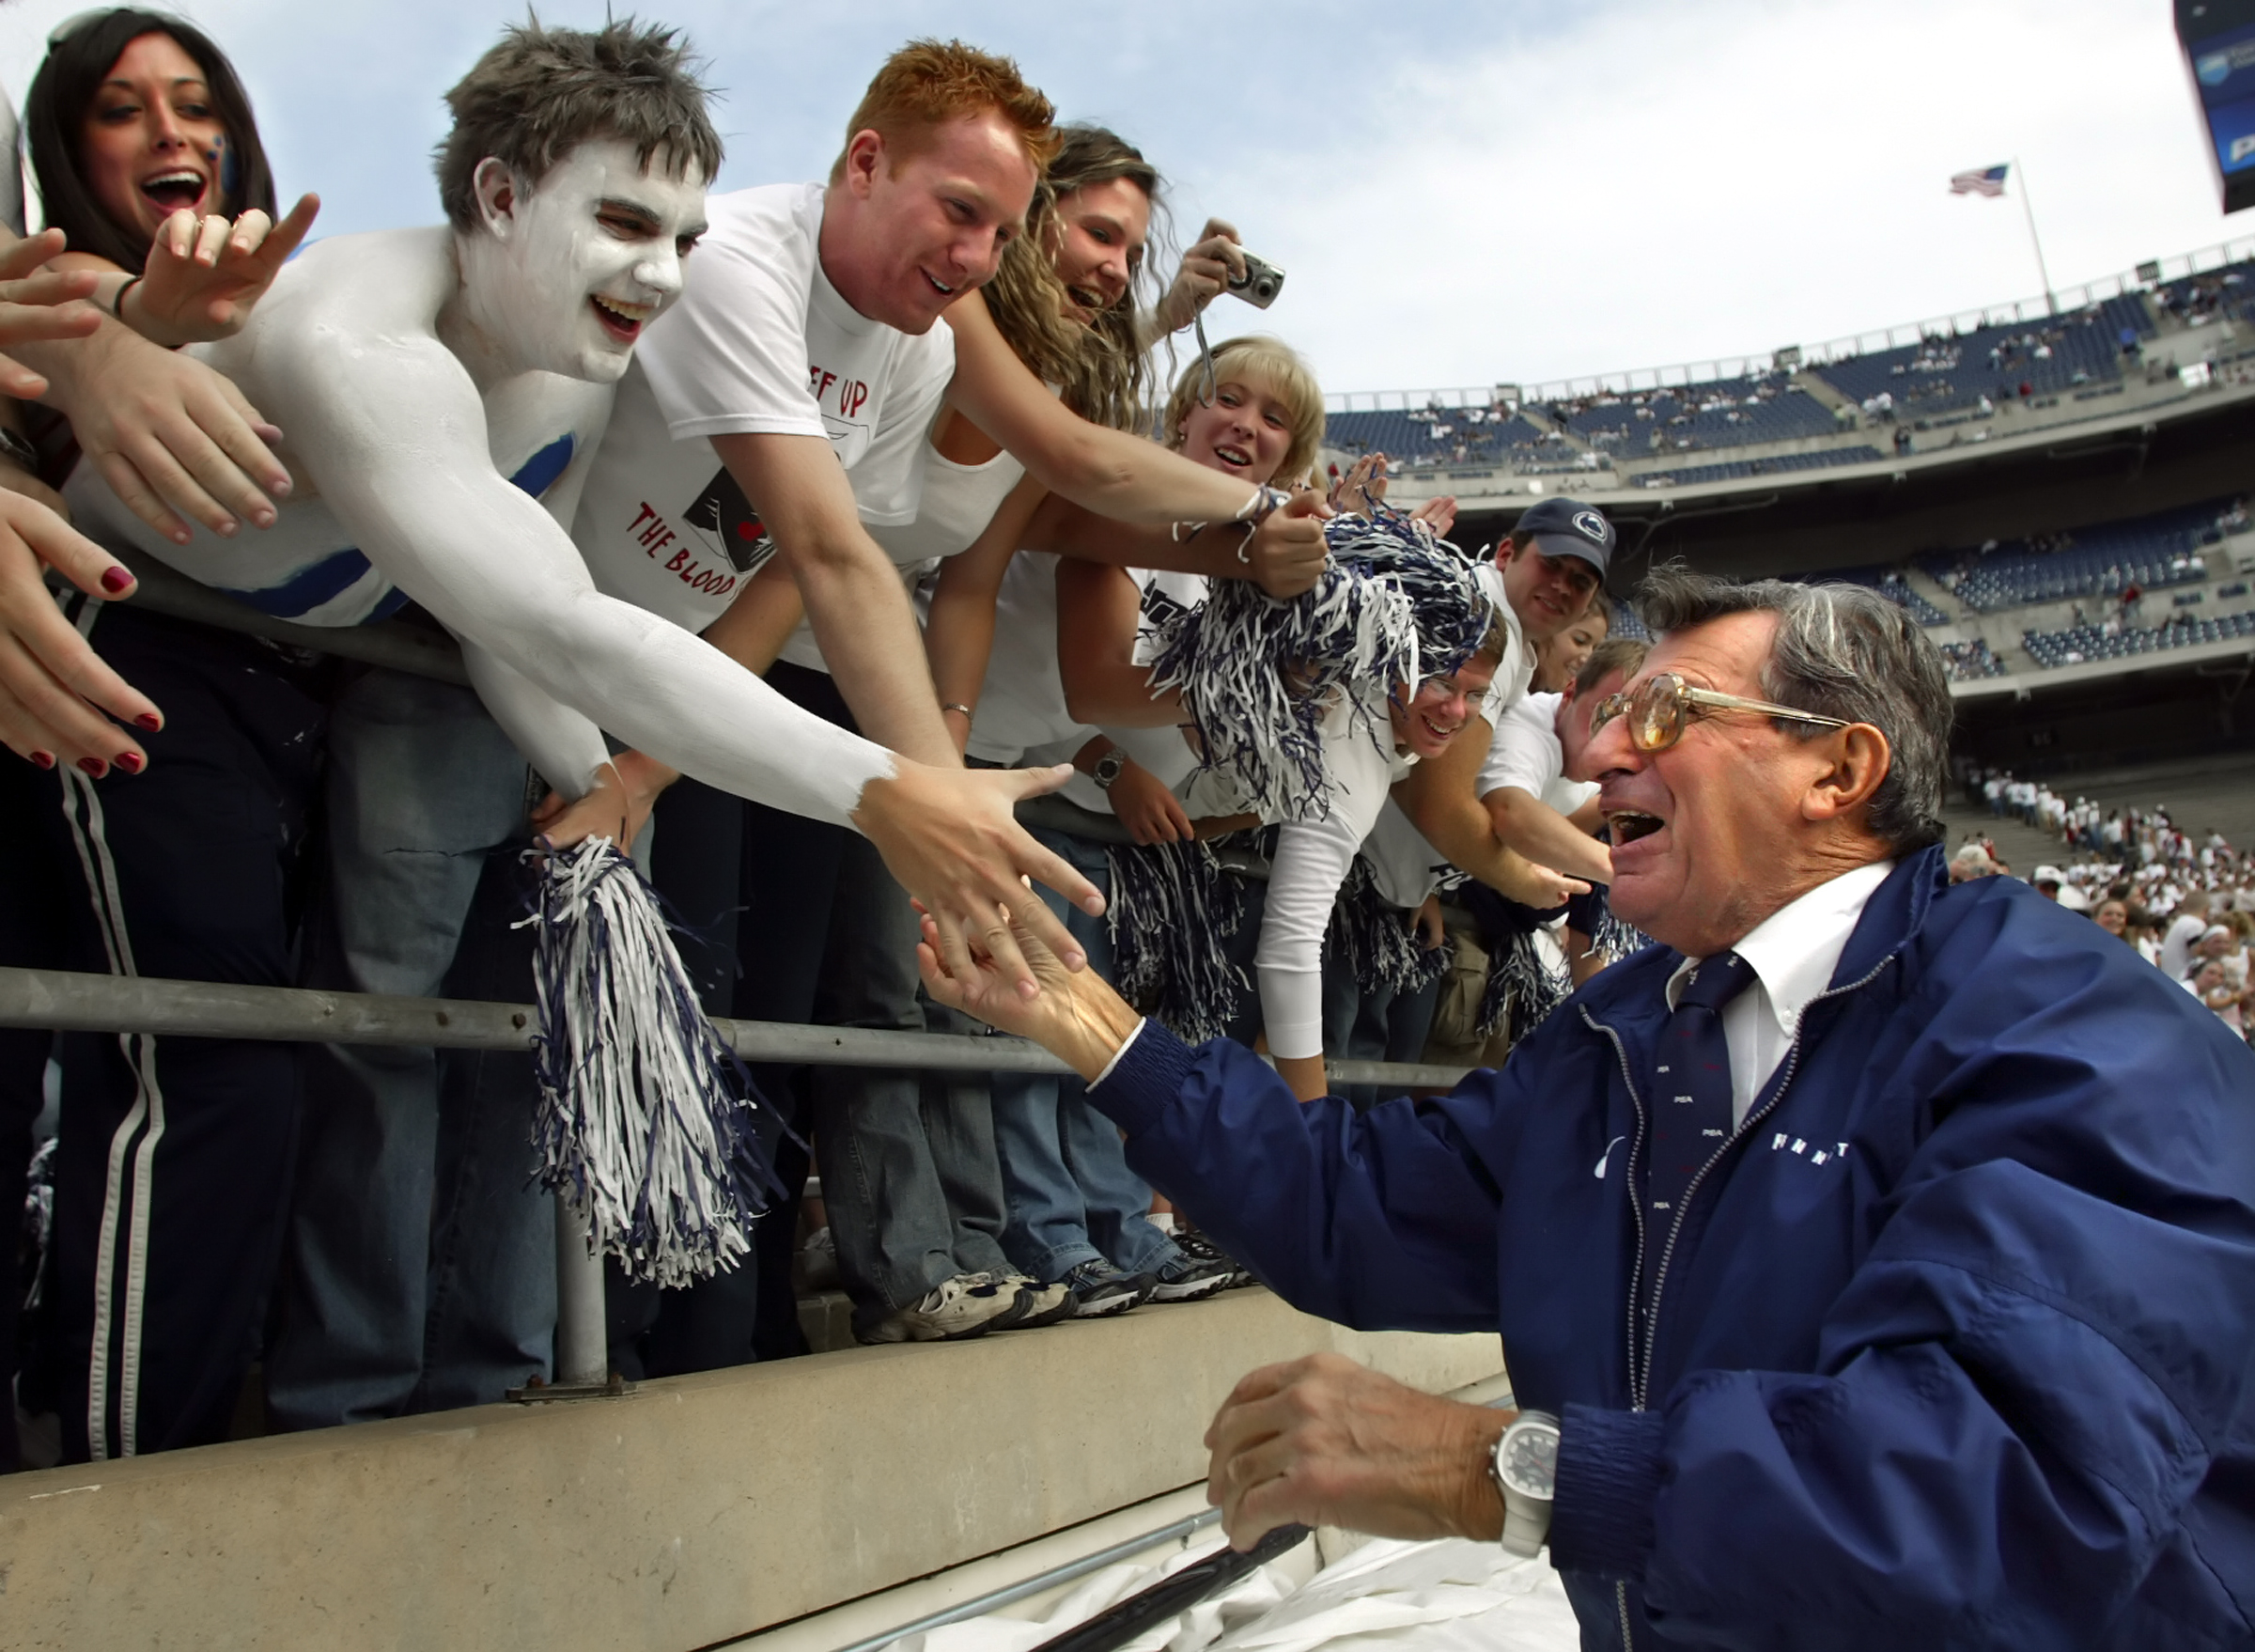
1793, 952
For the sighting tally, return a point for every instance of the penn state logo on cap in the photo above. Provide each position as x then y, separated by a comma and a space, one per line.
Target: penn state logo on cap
1567, 527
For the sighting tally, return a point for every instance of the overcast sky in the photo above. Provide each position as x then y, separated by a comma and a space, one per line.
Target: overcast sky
1510, 190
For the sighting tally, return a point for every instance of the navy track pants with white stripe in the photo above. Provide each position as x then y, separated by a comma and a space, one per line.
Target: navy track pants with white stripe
172, 1175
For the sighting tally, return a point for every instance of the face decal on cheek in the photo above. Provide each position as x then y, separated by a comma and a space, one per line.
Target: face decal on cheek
565, 278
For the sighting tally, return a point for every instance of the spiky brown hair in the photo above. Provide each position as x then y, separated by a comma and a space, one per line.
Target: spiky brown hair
540, 93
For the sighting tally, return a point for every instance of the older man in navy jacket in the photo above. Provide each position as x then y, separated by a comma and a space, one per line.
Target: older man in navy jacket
1885, 1250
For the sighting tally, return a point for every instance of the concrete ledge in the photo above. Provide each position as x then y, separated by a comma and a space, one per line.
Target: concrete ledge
692, 1511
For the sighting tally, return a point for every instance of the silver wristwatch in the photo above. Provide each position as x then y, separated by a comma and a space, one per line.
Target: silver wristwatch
1107, 769
1526, 1468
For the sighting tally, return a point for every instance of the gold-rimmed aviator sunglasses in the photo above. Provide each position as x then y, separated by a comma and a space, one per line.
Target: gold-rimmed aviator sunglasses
1659, 707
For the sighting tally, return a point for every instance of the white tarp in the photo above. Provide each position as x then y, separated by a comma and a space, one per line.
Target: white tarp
1449, 1596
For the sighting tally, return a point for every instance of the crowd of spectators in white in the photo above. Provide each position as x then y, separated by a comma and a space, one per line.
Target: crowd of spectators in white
2185, 900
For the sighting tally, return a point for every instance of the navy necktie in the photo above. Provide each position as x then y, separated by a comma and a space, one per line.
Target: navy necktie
1691, 1087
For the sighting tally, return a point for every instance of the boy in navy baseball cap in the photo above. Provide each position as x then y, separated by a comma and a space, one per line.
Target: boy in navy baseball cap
1567, 527
1546, 572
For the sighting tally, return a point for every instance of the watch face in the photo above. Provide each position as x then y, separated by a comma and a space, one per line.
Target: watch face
1527, 1461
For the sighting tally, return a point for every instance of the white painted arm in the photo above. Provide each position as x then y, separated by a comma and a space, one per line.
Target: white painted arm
563, 746
394, 434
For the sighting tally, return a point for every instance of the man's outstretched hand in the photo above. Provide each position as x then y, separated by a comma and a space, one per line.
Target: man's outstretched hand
1324, 1441
1075, 1016
950, 838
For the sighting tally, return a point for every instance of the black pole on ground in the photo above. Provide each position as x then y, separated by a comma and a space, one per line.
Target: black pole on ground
1119, 1624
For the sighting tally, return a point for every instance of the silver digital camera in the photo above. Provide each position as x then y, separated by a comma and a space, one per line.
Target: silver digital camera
1260, 284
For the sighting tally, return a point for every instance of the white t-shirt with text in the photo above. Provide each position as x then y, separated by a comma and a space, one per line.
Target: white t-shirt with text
760, 343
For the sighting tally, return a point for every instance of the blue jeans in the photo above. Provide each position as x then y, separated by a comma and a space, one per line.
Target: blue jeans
1072, 1198
420, 1270
1365, 1025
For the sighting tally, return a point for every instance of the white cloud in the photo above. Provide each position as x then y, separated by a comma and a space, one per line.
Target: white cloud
1681, 182
1462, 193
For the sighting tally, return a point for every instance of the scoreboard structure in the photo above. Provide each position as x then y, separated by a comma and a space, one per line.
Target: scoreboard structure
2218, 37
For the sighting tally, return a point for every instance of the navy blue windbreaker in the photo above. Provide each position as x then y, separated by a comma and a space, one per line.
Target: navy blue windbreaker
1955, 1346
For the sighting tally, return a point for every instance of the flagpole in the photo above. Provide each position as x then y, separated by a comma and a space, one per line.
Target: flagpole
2051, 305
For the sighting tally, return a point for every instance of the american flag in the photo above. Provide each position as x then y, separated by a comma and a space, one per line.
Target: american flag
1988, 181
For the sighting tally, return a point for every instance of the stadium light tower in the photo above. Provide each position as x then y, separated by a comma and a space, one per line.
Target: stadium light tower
2218, 37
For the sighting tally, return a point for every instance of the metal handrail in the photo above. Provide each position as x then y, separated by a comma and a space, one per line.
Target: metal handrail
413, 649
65, 1001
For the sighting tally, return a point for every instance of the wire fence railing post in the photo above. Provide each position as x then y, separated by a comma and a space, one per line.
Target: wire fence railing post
583, 1326
66, 1000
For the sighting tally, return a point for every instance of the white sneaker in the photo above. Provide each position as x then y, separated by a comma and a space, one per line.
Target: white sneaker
1046, 1304
970, 1304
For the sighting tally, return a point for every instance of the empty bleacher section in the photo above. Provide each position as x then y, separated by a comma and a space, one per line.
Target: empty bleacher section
1723, 412
2083, 644
1949, 372
2108, 560
1776, 464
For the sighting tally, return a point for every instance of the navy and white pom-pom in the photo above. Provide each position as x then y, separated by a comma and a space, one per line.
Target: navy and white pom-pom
1522, 987
1396, 605
1379, 940
646, 1117
1617, 937
1171, 907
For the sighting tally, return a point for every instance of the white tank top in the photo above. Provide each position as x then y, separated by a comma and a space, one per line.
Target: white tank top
1022, 704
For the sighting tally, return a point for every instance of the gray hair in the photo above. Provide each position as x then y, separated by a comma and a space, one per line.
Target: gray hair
1842, 651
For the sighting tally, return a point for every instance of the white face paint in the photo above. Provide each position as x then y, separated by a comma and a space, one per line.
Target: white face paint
563, 280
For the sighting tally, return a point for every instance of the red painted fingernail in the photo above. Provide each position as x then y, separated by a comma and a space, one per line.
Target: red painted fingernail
116, 579
43, 759
149, 720
132, 762
94, 766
